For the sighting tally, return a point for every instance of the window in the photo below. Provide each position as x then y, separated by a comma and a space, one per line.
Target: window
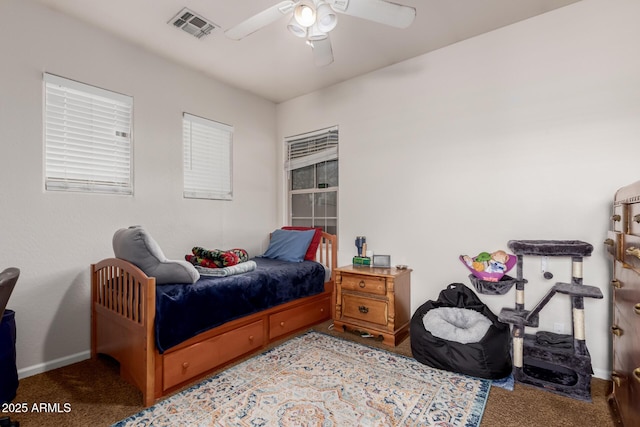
87, 136
207, 158
312, 165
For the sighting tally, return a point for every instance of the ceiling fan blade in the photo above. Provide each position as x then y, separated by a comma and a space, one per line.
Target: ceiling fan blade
322, 52
381, 11
260, 20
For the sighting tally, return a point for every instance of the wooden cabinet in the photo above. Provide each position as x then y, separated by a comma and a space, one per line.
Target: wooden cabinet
374, 300
623, 246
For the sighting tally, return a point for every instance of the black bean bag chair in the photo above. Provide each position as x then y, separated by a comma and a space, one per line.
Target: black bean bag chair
449, 343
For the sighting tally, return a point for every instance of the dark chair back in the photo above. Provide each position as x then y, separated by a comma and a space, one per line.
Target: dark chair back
8, 279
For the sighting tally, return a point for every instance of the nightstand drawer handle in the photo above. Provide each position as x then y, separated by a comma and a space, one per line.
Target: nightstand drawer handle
615, 330
636, 218
609, 242
636, 374
362, 284
616, 218
616, 284
363, 309
636, 309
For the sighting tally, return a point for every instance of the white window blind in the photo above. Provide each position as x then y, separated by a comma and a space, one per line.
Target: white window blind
207, 158
87, 137
311, 148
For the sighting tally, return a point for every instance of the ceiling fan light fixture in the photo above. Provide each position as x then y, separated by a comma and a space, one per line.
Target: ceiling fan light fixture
314, 33
296, 29
326, 18
339, 5
305, 13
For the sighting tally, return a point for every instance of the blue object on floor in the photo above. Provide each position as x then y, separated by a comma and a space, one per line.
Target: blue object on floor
506, 383
8, 370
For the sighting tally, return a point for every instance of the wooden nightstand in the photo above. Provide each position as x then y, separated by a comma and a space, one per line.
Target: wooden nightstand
374, 300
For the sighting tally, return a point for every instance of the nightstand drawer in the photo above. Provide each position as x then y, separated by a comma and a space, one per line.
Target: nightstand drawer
367, 309
361, 283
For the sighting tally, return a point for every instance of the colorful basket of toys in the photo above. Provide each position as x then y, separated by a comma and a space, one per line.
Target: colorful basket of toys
489, 266
488, 271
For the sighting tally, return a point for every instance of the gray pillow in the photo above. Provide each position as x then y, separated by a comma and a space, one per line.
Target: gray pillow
462, 325
135, 245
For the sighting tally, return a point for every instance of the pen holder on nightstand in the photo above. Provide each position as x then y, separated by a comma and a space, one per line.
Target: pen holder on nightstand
361, 245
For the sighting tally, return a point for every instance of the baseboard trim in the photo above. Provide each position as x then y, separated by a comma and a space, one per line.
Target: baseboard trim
53, 364
602, 374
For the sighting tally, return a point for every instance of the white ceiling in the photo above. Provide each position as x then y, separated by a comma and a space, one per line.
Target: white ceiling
274, 64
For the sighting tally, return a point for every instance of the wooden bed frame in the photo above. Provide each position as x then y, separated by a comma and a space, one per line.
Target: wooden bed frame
122, 326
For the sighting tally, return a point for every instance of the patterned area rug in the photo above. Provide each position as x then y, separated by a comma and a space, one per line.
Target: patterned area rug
318, 380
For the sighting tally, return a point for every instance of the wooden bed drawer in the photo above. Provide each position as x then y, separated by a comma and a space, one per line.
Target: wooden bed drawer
299, 317
367, 309
367, 284
196, 359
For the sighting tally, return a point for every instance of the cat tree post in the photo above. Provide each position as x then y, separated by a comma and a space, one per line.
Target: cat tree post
577, 309
517, 333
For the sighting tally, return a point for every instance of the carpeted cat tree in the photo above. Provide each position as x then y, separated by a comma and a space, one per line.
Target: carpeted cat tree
555, 362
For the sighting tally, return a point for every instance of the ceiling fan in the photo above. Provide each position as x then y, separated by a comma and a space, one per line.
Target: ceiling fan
314, 19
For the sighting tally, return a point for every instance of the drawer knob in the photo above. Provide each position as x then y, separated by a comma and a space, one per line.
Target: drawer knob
282, 324
636, 374
615, 330
362, 284
631, 250
616, 378
636, 218
363, 309
616, 284
250, 338
185, 365
616, 218
609, 242
636, 309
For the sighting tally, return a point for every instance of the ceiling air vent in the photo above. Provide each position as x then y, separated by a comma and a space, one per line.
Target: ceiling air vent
192, 23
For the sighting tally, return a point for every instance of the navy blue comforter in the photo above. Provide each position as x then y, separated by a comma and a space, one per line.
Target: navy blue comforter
185, 310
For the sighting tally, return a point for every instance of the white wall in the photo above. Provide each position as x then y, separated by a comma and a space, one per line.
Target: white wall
53, 237
522, 133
